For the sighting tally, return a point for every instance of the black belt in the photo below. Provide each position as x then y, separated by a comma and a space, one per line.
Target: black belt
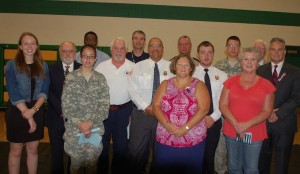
118, 107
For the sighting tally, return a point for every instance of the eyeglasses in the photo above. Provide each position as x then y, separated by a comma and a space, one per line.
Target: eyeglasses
184, 44
233, 45
155, 45
67, 51
88, 57
260, 48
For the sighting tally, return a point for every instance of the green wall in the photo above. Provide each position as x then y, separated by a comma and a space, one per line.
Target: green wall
150, 12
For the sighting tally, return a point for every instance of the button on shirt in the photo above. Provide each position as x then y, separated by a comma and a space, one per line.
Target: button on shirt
217, 78
117, 80
141, 81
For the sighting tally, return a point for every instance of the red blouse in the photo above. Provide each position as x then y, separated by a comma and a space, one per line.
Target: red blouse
245, 104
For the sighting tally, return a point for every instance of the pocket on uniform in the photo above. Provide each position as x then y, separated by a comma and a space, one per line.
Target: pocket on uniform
145, 81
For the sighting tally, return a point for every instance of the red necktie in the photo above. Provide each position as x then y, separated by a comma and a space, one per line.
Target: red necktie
275, 74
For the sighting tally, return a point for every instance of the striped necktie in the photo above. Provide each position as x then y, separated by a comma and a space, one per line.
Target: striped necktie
156, 80
67, 70
275, 74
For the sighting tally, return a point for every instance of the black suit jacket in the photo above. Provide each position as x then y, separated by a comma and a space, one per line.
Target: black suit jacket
54, 119
287, 97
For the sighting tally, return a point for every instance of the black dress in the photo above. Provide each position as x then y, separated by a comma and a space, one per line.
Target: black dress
17, 127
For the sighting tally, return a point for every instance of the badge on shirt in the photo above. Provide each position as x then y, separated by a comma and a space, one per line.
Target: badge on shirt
128, 73
165, 73
216, 77
188, 89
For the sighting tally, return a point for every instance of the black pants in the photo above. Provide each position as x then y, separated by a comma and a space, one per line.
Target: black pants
142, 136
282, 146
212, 140
57, 151
116, 128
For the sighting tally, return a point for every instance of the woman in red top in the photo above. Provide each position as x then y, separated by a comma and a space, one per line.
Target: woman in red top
246, 102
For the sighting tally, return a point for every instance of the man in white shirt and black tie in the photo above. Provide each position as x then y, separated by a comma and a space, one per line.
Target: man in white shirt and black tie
213, 79
141, 90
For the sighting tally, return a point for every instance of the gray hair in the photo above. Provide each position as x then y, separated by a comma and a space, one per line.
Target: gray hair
118, 38
184, 37
277, 39
250, 50
260, 41
74, 46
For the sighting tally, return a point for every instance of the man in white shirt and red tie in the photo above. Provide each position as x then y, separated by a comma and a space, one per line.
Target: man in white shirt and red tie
282, 123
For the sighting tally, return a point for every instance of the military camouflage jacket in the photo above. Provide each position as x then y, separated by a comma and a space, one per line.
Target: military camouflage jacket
223, 65
84, 100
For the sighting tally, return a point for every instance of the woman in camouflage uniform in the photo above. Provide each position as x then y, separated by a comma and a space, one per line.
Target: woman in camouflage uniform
85, 104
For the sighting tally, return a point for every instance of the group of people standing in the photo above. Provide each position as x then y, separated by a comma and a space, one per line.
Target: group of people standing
148, 107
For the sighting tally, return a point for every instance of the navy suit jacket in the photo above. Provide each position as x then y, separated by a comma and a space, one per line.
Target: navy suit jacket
287, 97
54, 119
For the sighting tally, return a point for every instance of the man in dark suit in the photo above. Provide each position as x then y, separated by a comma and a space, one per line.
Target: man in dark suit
282, 124
54, 120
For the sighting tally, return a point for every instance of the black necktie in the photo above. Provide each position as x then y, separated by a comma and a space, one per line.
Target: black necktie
275, 74
156, 80
207, 83
67, 70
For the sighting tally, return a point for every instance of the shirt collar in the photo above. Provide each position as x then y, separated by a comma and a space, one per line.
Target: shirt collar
152, 63
71, 66
279, 66
202, 68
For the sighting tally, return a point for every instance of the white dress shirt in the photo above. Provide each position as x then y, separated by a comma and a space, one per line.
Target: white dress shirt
117, 80
141, 81
217, 78
262, 62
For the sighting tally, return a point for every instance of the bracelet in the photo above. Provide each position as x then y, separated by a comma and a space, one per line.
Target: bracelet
186, 127
35, 108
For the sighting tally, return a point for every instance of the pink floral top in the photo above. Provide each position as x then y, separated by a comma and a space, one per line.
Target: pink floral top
179, 105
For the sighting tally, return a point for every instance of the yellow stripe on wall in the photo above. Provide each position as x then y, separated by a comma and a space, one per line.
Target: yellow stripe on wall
47, 55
